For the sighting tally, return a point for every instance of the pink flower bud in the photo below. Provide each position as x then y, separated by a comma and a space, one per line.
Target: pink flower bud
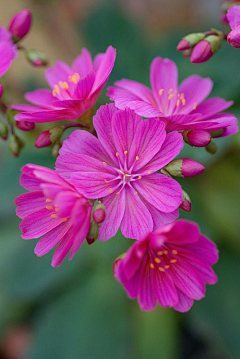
183, 45
20, 23
92, 233
1, 90
36, 58
99, 213
25, 125
190, 40
197, 138
234, 37
186, 204
185, 168
201, 52
47, 138
212, 148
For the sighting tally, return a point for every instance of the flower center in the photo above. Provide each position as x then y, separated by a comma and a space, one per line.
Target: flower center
163, 259
174, 99
62, 89
50, 206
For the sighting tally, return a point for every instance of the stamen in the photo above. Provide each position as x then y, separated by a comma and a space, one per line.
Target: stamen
54, 93
183, 101
161, 269
110, 190
170, 96
195, 106
49, 207
137, 158
160, 253
165, 252
117, 154
139, 177
149, 172
48, 200
135, 193
178, 102
54, 215
65, 86
106, 181
170, 91
157, 260
125, 152
174, 251
57, 89
161, 92
64, 219
173, 260
74, 78
167, 266
151, 265
104, 163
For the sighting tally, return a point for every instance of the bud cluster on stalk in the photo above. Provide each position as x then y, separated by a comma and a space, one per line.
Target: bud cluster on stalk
98, 216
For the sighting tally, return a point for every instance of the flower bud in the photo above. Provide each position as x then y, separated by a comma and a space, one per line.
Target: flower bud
36, 58
234, 37
15, 145
205, 49
1, 90
187, 53
197, 138
212, 148
92, 233
56, 149
117, 261
186, 204
49, 137
20, 24
185, 168
190, 40
25, 125
99, 213
3, 130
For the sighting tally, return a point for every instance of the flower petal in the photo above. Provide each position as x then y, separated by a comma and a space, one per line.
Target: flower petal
146, 296
6, 57
164, 288
63, 248
29, 202
41, 97
206, 249
82, 65
211, 107
59, 72
184, 302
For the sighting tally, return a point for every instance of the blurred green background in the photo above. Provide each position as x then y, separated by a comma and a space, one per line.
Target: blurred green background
79, 310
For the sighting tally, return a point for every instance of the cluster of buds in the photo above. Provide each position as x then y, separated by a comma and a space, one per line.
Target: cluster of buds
98, 216
201, 46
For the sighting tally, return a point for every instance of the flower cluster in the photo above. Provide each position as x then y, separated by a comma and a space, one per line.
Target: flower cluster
115, 172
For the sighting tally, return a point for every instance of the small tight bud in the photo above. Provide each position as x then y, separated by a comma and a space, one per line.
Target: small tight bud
15, 145
205, 49
20, 24
25, 125
234, 37
186, 204
212, 148
197, 138
3, 130
92, 233
99, 213
36, 58
49, 137
56, 148
190, 40
185, 168
117, 261
1, 90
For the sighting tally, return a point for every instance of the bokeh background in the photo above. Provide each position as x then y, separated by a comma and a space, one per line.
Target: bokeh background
79, 311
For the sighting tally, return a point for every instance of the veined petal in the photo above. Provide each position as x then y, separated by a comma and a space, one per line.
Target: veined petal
29, 202
63, 248
146, 296
59, 72
184, 302
6, 57
48, 116
164, 288
211, 107
82, 65
182, 232
41, 97
160, 218
141, 91
84, 86
206, 249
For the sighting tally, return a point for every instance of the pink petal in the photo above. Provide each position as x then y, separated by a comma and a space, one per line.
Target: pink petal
63, 248
48, 116
134, 257
169, 150
115, 207
26, 108
38, 223
29, 183
230, 130
82, 65
162, 192
51, 239
59, 72
195, 90
163, 75
211, 107
29, 202
182, 232
41, 97
131, 285
206, 249
216, 122
137, 220
146, 296
233, 16
6, 57
137, 89
164, 288
161, 218
184, 304
180, 122
84, 86
65, 201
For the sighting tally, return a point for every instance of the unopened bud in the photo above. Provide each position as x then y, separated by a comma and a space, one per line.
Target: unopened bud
190, 40
233, 37
217, 133
36, 58
92, 233
1, 90
185, 168
3, 130
212, 148
99, 213
15, 145
25, 125
204, 50
49, 137
20, 24
56, 149
197, 138
117, 262
187, 53
186, 204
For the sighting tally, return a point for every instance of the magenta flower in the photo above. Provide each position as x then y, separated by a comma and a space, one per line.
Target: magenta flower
120, 167
52, 209
180, 107
170, 266
8, 51
233, 16
74, 89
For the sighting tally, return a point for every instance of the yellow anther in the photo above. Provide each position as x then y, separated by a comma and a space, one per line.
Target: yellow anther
49, 207
64, 219
60, 83
167, 266
54, 93
110, 190
175, 93
160, 253
70, 78
57, 89
104, 163
151, 265
183, 101
135, 192
165, 252
157, 260
106, 181
195, 106
137, 158
149, 172
178, 102
125, 152
161, 269
54, 215
65, 86
173, 260
117, 154
170, 96
161, 92
174, 251
48, 200
170, 91
139, 177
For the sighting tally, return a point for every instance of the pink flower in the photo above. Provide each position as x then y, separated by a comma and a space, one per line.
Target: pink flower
73, 89
170, 266
180, 107
8, 51
52, 209
120, 167
233, 16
